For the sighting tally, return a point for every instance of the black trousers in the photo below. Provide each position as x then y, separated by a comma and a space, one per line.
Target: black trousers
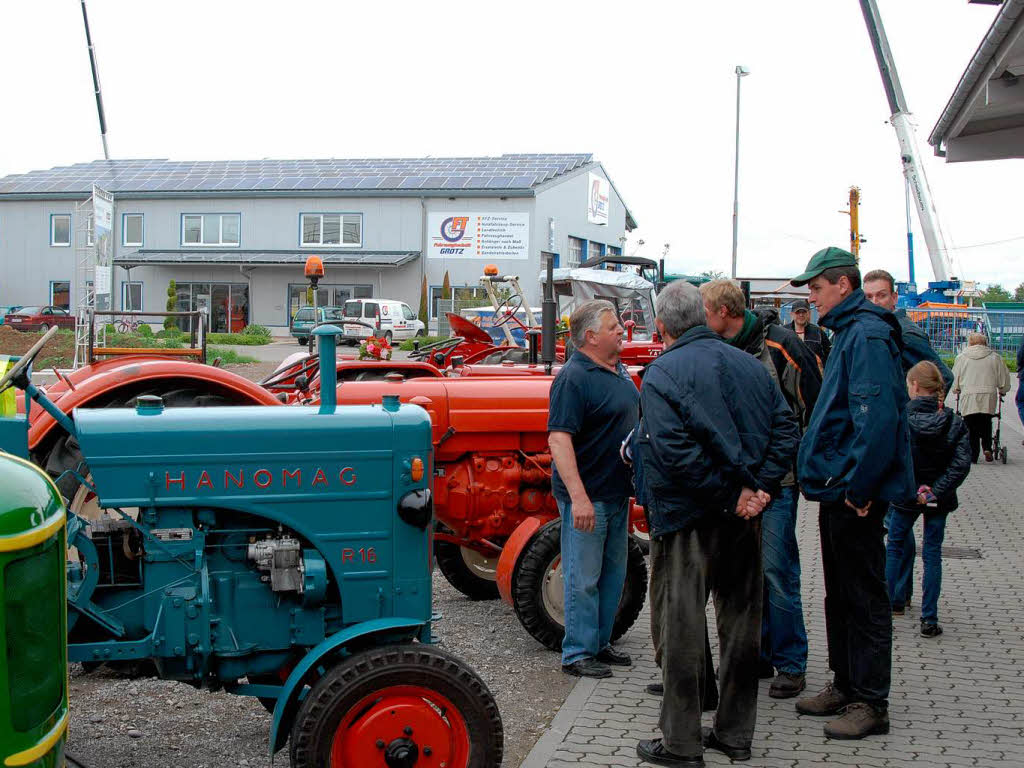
858, 615
720, 557
979, 426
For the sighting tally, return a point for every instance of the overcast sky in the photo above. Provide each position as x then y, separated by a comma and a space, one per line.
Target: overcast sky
648, 87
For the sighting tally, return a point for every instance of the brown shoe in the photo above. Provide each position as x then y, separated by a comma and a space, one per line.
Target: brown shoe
786, 686
831, 701
858, 721
988, 455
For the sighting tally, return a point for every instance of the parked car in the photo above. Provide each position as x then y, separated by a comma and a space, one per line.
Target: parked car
9, 310
303, 321
39, 319
390, 319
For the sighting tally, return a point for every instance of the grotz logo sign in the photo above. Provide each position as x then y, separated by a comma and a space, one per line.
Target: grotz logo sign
453, 228
597, 200
282, 478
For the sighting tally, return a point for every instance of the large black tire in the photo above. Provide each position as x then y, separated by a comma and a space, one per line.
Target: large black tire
353, 698
470, 574
540, 566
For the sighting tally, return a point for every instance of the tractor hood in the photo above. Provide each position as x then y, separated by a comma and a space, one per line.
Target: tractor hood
248, 456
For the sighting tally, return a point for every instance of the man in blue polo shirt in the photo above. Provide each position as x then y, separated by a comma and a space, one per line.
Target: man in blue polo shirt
593, 408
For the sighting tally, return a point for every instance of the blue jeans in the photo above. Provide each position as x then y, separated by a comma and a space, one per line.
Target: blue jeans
1019, 399
783, 635
901, 583
593, 573
901, 527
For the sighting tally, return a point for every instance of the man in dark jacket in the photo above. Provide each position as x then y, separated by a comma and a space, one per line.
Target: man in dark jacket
795, 369
855, 459
1019, 400
809, 333
880, 289
716, 439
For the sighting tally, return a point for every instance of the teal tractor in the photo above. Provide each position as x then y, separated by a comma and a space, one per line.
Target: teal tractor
281, 553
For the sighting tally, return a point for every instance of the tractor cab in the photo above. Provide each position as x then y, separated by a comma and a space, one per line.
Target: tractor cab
632, 296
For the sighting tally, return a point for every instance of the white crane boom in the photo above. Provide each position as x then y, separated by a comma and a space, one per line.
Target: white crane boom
913, 171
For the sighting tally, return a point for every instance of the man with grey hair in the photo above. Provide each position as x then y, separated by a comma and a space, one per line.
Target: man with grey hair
716, 439
593, 407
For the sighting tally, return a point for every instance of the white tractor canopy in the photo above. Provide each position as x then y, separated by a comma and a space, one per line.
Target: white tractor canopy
632, 295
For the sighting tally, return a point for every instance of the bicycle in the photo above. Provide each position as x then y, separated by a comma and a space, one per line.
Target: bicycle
127, 325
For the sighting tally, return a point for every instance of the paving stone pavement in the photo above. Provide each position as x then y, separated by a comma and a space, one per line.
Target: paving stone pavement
957, 700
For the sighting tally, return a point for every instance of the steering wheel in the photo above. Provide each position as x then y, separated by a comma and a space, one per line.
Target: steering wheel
26, 360
425, 351
508, 307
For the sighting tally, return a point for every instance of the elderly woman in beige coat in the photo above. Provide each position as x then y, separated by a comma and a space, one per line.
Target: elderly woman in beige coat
980, 379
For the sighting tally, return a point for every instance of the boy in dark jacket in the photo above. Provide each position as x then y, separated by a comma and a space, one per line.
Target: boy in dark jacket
942, 458
855, 459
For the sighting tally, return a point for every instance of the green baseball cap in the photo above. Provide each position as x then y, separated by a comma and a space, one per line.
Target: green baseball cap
824, 259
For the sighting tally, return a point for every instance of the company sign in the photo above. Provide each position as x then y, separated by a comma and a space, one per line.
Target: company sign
467, 235
598, 195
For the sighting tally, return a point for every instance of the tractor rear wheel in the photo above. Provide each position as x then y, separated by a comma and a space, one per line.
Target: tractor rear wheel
469, 571
393, 705
538, 594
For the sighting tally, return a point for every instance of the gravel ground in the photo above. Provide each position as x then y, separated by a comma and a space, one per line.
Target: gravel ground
151, 723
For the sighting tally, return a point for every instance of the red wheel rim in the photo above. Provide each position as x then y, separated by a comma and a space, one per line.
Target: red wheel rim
397, 715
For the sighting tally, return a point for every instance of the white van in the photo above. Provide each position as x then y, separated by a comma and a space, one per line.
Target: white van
390, 319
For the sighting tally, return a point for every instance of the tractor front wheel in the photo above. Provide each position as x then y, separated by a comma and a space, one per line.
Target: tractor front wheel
538, 592
399, 705
472, 573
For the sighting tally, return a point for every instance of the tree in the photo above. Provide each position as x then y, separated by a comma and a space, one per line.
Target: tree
446, 287
995, 292
424, 303
712, 274
1018, 293
172, 301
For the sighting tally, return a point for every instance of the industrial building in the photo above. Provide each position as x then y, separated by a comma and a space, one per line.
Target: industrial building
233, 235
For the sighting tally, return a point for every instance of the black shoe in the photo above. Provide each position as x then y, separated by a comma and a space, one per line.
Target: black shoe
653, 751
898, 610
765, 670
587, 668
787, 686
930, 630
610, 656
711, 742
656, 689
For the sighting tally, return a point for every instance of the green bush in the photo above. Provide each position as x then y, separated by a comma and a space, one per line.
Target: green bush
172, 300
227, 356
237, 338
170, 333
145, 330
423, 340
256, 330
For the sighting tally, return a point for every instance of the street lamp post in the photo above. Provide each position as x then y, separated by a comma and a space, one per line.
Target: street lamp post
741, 72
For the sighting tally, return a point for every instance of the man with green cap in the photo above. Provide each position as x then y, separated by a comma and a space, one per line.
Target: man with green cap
854, 459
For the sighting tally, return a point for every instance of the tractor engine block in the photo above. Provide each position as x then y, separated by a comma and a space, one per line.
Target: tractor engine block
487, 495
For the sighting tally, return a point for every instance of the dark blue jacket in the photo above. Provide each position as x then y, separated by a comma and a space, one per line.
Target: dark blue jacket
713, 423
857, 445
917, 347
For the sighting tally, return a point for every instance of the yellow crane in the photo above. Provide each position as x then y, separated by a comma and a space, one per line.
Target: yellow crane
854, 214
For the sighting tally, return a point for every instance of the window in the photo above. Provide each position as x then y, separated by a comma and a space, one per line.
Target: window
407, 313
131, 296
304, 315
89, 219
227, 304
131, 229
340, 230
326, 295
60, 294
595, 250
575, 251
210, 228
614, 250
462, 296
60, 230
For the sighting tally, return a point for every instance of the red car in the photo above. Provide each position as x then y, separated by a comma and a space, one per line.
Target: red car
39, 319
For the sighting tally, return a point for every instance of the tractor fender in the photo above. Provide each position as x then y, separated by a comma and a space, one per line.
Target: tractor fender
513, 549
102, 379
288, 701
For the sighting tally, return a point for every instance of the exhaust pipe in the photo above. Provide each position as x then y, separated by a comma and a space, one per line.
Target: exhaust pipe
548, 309
327, 342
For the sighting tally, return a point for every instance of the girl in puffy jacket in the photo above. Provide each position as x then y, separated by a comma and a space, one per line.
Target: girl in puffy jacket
942, 458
